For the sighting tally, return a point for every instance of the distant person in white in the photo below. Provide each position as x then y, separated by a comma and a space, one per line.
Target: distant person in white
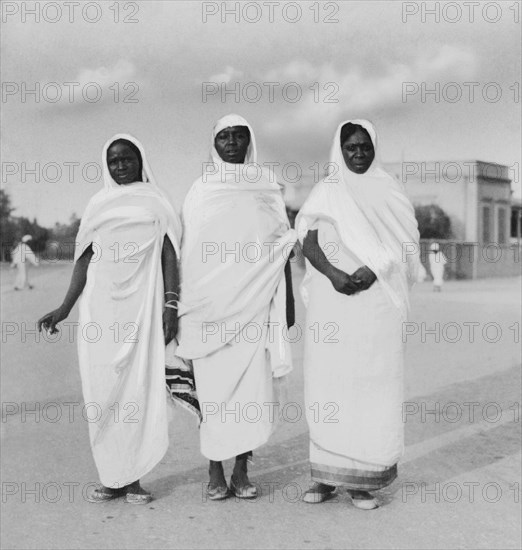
20, 257
437, 263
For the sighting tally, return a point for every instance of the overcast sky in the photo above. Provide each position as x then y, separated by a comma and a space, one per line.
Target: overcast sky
363, 61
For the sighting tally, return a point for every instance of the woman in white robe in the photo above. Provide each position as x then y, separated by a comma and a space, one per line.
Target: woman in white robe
21, 257
126, 273
361, 217
234, 258
437, 262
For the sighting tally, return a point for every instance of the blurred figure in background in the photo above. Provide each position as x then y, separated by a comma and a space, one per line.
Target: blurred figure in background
437, 263
421, 273
21, 255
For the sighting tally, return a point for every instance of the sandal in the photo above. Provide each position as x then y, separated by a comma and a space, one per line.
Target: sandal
217, 493
138, 498
136, 494
103, 494
363, 500
318, 492
245, 491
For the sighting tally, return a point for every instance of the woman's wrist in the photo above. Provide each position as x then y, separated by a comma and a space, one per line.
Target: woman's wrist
65, 309
331, 271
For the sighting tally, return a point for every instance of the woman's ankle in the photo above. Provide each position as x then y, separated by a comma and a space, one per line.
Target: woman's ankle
216, 474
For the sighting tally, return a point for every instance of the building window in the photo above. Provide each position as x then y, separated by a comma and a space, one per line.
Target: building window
486, 231
501, 220
516, 223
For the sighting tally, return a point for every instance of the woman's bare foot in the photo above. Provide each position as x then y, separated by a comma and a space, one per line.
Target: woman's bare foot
217, 475
239, 482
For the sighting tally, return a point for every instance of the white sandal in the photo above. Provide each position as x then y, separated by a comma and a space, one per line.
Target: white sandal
363, 503
315, 496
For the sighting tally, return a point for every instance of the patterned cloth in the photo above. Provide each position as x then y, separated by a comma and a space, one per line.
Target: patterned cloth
179, 376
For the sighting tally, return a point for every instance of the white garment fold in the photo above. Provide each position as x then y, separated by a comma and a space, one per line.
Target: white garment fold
373, 217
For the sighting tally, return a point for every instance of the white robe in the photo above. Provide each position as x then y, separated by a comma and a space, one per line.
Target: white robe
21, 256
235, 245
354, 358
121, 344
437, 262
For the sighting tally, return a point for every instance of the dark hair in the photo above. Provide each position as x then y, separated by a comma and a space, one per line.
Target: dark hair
245, 129
131, 146
349, 129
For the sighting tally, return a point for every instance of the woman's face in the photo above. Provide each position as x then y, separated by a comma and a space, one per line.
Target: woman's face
358, 152
232, 143
123, 163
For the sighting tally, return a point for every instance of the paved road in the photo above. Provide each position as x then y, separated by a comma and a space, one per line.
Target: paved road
458, 486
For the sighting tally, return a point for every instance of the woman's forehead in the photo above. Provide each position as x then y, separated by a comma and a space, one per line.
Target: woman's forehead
360, 135
119, 147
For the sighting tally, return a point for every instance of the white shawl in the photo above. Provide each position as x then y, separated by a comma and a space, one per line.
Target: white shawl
373, 217
236, 241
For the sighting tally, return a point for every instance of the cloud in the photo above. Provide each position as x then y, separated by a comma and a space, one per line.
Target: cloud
227, 76
360, 92
123, 71
99, 86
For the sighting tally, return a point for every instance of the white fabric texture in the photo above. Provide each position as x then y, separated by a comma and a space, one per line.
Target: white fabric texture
122, 358
236, 242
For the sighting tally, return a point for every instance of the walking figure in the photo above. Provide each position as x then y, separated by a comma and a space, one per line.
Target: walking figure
437, 263
22, 254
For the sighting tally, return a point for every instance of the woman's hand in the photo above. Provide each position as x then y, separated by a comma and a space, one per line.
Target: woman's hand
170, 324
364, 278
50, 320
342, 282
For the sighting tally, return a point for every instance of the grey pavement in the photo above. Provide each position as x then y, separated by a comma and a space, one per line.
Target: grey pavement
458, 484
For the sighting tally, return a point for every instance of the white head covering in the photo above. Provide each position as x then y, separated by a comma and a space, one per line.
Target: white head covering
146, 175
228, 121
112, 191
372, 215
221, 175
26, 238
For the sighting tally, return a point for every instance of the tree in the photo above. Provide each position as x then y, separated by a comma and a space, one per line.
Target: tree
63, 237
433, 222
7, 227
